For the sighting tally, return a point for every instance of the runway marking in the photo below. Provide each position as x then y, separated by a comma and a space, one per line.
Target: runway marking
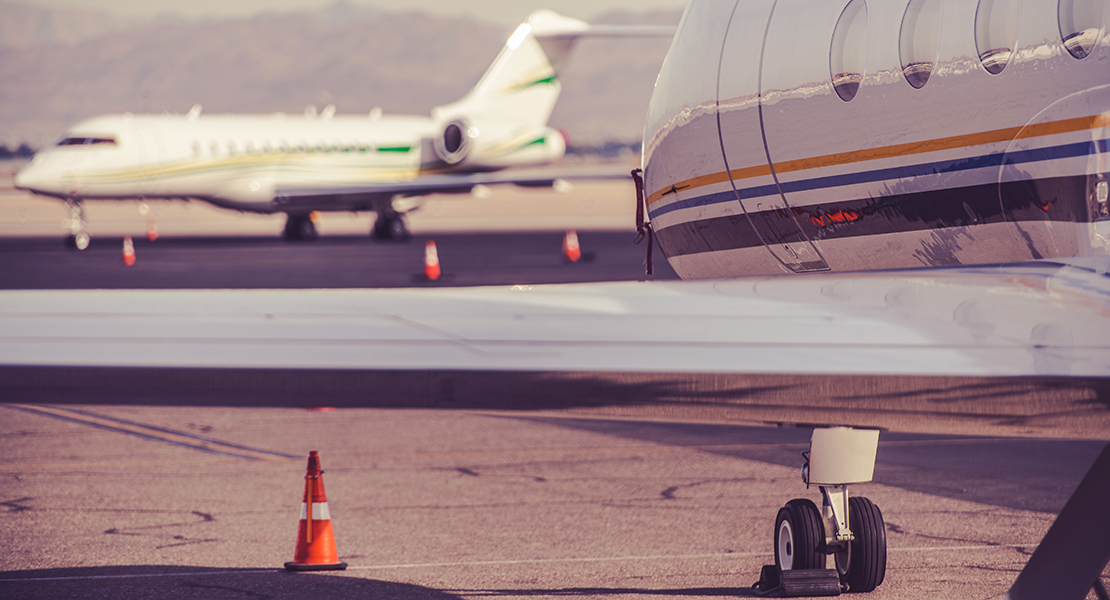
153, 433
540, 561
142, 575
532, 561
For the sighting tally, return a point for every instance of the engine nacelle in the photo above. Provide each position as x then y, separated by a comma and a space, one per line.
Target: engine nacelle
453, 143
251, 193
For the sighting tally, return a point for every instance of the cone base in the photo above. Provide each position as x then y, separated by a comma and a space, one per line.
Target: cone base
295, 566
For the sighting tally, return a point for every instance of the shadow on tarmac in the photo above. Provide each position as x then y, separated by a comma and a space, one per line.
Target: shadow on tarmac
1073, 408
600, 592
159, 581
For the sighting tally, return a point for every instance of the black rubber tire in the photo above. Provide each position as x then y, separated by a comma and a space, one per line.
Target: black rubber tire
863, 566
397, 230
299, 228
802, 544
78, 241
391, 229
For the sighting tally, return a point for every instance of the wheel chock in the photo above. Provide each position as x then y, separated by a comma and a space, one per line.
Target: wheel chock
797, 583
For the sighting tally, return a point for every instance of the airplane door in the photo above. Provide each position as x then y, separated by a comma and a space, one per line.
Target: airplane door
744, 143
151, 157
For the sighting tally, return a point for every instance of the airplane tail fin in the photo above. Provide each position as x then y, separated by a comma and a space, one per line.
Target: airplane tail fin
522, 83
502, 120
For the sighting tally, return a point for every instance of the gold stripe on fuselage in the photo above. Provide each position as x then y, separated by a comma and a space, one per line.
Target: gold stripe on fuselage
907, 149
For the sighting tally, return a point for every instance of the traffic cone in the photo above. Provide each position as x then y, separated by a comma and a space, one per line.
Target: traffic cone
431, 261
315, 542
128, 252
151, 230
570, 246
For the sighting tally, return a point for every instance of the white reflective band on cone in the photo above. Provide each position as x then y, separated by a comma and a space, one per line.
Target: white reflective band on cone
319, 511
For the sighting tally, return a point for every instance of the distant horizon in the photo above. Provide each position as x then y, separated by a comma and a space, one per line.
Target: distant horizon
498, 11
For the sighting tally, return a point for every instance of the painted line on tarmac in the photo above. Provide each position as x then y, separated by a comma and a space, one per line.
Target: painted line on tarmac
141, 575
153, 433
479, 563
543, 561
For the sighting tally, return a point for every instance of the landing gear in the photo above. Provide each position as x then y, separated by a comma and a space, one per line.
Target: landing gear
300, 228
851, 529
390, 226
78, 238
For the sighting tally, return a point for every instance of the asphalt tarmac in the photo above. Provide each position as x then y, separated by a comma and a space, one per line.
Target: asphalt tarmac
187, 502
339, 261
121, 499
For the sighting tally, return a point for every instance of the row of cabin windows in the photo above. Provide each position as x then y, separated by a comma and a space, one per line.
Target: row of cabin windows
215, 149
996, 23
87, 141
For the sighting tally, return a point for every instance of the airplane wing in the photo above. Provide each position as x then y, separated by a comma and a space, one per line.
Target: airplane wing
1020, 348
453, 183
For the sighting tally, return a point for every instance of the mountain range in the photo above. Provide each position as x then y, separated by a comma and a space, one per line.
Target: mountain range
58, 66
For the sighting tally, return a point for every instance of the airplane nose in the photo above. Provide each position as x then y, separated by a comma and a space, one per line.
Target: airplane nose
25, 178
32, 178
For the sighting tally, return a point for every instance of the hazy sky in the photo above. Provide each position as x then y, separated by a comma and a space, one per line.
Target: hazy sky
489, 10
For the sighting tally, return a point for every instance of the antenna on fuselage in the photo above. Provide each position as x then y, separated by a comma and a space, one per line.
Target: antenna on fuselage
194, 113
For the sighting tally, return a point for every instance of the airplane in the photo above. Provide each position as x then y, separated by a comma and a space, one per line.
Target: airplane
938, 171
787, 136
302, 165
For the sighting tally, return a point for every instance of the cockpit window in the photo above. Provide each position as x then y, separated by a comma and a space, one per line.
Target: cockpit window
87, 141
848, 53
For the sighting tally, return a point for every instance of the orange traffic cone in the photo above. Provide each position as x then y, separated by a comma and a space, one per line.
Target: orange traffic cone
315, 542
151, 230
570, 246
128, 252
431, 261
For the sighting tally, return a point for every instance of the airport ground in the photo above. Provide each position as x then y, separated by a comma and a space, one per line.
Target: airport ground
115, 498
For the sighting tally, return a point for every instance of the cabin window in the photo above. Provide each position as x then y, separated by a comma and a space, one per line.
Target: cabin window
848, 53
87, 141
917, 44
248, 147
214, 148
231, 148
196, 149
996, 33
1080, 22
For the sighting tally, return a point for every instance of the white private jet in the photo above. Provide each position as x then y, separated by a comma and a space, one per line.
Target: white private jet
299, 165
784, 136
791, 136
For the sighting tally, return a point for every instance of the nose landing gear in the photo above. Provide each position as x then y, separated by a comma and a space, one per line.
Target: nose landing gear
850, 529
78, 238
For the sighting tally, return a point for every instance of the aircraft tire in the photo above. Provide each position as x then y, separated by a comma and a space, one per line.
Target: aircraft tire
79, 241
299, 228
799, 536
391, 228
862, 566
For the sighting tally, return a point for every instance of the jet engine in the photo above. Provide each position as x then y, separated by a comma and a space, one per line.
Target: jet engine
454, 142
